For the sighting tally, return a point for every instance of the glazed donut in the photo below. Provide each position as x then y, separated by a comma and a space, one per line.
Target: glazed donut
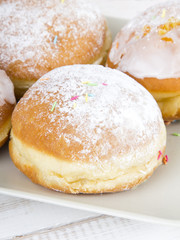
38, 36
7, 103
147, 49
87, 129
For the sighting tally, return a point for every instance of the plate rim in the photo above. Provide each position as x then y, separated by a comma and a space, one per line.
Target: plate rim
90, 207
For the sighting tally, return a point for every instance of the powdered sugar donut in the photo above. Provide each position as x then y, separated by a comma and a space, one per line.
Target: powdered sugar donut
87, 129
147, 49
7, 103
38, 36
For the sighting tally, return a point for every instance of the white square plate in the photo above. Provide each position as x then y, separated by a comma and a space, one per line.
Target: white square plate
156, 200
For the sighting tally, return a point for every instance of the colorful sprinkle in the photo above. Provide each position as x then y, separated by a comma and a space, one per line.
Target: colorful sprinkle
160, 153
86, 97
55, 39
146, 30
74, 105
85, 82
162, 32
53, 106
137, 37
105, 84
153, 17
90, 95
176, 134
42, 79
165, 159
62, 1
92, 84
117, 45
74, 98
168, 26
172, 19
166, 39
163, 13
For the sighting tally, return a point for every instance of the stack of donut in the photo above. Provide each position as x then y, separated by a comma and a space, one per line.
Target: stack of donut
85, 128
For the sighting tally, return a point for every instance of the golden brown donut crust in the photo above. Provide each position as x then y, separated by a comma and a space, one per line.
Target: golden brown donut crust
160, 85
167, 94
5, 121
7, 104
4, 131
6, 111
153, 84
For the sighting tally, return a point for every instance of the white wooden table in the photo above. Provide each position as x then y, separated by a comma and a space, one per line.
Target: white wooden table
25, 219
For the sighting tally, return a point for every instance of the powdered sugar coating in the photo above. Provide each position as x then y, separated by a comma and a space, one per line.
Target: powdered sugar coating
6, 89
149, 56
118, 117
28, 30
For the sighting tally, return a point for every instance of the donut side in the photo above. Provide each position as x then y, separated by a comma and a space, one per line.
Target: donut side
72, 177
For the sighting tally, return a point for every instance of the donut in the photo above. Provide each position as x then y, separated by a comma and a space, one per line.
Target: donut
7, 103
38, 36
147, 49
87, 129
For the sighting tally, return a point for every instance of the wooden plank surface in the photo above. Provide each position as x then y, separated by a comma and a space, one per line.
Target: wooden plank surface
107, 228
20, 216
30, 220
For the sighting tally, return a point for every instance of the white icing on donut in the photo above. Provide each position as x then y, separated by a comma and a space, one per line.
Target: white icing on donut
6, 89
29, 28
118, 117
149, 56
